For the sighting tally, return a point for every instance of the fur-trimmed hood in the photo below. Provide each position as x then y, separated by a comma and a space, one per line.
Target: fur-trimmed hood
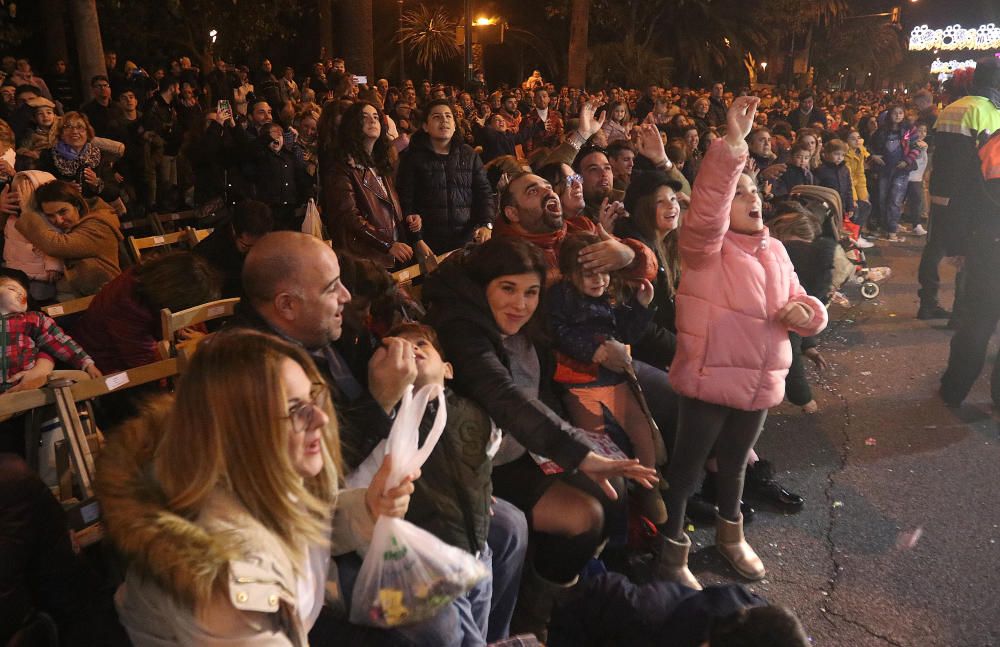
181, 557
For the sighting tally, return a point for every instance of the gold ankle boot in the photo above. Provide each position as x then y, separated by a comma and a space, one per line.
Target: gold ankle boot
673, 562
734, 547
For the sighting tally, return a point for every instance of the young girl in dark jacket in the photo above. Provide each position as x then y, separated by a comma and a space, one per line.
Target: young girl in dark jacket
584, 319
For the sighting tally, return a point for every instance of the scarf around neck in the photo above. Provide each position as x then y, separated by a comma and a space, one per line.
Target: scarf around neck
71, 163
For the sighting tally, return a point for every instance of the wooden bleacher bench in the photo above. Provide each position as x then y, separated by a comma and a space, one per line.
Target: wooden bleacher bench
408, 274
68, 307
138, 245
68, 391
172, 322
172, 219
195, 236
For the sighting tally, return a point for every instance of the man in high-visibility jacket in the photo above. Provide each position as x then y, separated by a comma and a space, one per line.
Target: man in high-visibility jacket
981, 294
961, 128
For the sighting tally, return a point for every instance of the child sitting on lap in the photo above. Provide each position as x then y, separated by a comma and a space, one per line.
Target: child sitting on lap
590, 332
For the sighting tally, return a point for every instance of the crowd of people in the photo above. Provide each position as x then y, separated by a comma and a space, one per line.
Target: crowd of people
634, 279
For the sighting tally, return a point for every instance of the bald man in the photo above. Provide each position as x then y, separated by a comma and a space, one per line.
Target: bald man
292, 288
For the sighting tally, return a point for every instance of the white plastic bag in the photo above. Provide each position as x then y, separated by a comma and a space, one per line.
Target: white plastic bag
312, 224
408, 574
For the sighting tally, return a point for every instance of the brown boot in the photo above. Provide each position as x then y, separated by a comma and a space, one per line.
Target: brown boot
535, 600
734, 547
672, 562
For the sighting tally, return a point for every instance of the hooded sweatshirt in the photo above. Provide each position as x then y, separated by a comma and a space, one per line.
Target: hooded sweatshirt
18, 252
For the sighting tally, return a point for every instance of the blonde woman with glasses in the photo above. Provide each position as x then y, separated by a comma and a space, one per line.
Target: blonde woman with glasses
225, 501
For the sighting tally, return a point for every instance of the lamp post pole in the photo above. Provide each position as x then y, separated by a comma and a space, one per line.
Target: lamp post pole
468, 44
399, 34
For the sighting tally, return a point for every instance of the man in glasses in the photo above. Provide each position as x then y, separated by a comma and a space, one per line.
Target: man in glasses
106, 116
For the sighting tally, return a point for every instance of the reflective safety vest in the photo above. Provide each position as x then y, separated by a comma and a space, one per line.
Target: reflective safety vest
989, 154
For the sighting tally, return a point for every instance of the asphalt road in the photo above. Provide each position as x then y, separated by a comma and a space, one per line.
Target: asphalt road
883, 458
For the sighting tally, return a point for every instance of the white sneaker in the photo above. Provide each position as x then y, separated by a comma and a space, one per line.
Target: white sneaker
863, 243
919, 231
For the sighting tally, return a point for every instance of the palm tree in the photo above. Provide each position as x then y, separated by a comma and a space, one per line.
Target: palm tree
579, 25
359, 39
430, 33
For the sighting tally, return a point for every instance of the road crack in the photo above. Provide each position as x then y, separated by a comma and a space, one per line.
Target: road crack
832, 505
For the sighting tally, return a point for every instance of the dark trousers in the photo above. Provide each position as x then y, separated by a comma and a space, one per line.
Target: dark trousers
702, 426
930, 259
797, 388
979, 316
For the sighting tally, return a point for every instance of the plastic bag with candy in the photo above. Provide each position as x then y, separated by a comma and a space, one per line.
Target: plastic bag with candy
408, 574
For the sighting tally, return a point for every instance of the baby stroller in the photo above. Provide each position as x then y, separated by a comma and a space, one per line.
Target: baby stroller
850, 264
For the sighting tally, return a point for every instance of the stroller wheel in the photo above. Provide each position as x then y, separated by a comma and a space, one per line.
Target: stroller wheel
870, 290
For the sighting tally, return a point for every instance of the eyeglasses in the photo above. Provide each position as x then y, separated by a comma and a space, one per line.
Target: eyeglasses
569, 180
79, 127
303, 414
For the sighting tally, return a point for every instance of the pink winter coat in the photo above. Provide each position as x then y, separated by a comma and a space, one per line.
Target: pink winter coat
731, 349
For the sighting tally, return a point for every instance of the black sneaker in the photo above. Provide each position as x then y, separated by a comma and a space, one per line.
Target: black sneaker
933, 312
760, 487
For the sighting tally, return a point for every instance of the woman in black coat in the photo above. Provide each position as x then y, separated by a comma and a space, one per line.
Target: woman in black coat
483, 306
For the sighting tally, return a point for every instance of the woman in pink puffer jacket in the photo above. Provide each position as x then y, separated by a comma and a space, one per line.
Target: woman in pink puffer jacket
738, 298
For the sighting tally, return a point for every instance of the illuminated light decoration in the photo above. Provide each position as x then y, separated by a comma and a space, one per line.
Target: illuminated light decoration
955, 37
486, 21
950, 67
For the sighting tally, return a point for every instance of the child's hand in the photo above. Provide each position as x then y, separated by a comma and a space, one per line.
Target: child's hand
93, 371
644, 294
902, 165
817, 358
617, 359
414, 222
34, 378
877, 159
191, 333
600, 355
795, 315
739, 119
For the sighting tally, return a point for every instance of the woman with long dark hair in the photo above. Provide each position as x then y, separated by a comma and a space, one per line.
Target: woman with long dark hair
483, 306
361, 210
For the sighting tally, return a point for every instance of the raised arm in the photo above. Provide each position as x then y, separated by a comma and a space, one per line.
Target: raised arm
707, 220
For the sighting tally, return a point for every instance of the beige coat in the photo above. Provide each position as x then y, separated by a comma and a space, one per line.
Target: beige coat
89, 250
224, 555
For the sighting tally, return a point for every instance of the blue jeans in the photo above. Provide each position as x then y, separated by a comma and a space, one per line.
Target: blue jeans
862, 210
474, 607
891, 191
508, 541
